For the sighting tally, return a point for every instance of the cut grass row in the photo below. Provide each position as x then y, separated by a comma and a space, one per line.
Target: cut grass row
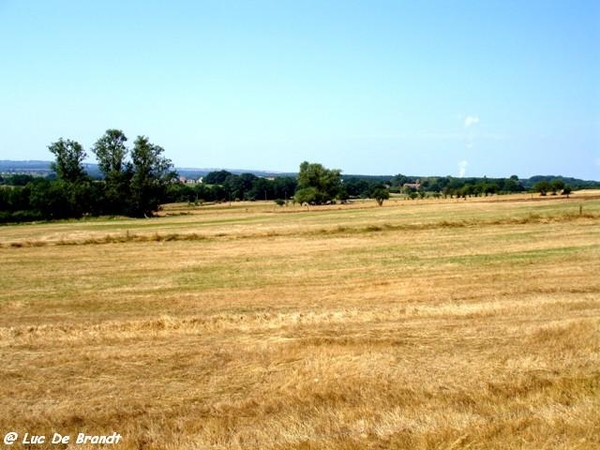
340, 229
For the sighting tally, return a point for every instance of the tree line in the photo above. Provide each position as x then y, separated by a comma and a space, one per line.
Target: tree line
136, 181
223, 186
482, 186
317, 185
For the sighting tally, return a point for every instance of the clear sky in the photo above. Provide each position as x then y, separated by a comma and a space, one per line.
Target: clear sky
373, 87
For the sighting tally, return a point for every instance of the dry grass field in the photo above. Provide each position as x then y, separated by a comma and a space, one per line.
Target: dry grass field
430, 324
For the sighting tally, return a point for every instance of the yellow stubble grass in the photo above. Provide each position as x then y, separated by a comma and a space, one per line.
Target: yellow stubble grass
416, 325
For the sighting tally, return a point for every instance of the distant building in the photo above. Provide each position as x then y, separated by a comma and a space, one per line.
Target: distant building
415, 186
184, 180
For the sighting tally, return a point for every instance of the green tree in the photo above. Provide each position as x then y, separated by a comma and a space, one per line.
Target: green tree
69, 160
357, 187
111, 153
216, 177
151, 174
17, 179
52, 199
542, 187
380, 193
262, 189
307, 195
234, 186
399, 180
513, 184
557, 185
284, 187
246, 182
71, 194
408, 191
320, 185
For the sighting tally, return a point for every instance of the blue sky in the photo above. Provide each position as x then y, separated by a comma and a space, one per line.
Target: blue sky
375, 87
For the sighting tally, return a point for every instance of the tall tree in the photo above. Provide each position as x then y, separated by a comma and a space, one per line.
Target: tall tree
151, 174
69, 158
71, 195
316, 184
111, 153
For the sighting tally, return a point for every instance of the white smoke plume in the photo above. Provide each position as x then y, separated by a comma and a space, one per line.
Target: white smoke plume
471, 120
462, 168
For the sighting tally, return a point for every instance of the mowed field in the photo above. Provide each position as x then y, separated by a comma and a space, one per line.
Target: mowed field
430, 324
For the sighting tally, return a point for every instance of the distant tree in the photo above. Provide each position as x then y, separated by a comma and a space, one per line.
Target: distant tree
217, 193
5, 199
17, 179
284, 187
448, 191
51, 199
15, 198
513, 184
409, 191
435, 185
111, 154
343, 194
400, 180
69, 158
317, 183
358, 187
260, 189
468, 190
247, 182
380, 193
542, 187
216, 177
567, 190
181, 192
151, 174
72, 194
85, 198
556, 185
487, 188
308, 195
239, 187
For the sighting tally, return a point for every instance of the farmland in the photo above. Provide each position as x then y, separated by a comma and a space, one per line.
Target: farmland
420, 324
